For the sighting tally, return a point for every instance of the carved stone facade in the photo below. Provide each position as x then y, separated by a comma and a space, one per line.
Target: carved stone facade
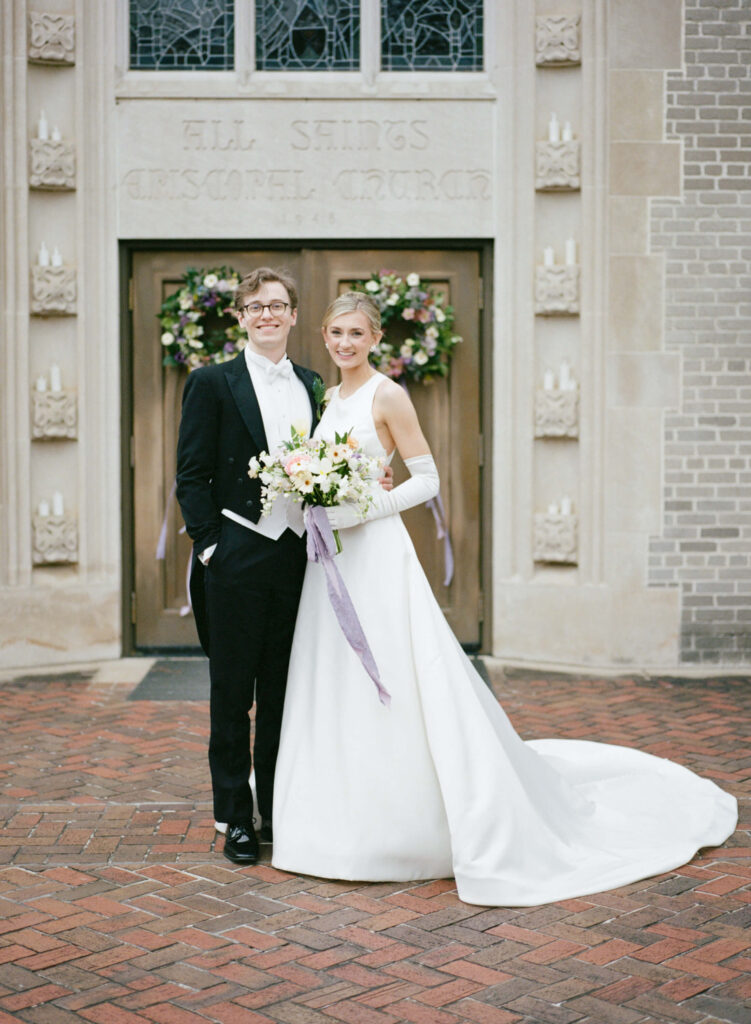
53, 291
54, 415
556, 538
557, 166
52, 165
55, 540
437, 161
52, 38
557, 290
557, 40
556, 413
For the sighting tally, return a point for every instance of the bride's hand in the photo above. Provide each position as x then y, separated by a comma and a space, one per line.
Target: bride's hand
387, 480
344, 516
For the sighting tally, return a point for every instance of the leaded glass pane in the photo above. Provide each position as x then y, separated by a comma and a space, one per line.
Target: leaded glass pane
168, 35
307, 35
431, 35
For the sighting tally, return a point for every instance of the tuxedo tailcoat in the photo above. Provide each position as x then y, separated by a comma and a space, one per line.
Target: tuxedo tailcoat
245, 600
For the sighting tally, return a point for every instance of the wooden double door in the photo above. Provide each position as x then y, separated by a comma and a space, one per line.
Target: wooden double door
449, 412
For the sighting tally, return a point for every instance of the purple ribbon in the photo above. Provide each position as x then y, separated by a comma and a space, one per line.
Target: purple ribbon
161, 548
322, 548
436, 507
442, 531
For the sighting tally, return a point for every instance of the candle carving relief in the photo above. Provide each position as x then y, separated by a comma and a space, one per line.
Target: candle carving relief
557, 40
52, 165
54, 414
556, 538
55, 539
557, 166
51, 38
53, 291
557, 290
556, 413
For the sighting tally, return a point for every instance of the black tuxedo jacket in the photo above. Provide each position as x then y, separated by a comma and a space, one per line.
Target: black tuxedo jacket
220, 430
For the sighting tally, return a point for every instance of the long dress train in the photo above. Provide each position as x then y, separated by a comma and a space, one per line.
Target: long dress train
440, 784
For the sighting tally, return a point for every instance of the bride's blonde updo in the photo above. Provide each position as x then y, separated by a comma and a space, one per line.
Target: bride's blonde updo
354, 302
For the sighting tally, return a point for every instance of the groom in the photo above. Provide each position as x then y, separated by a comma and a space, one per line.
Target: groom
247, 572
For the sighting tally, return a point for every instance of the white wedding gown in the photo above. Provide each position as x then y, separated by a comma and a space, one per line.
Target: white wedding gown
439, 784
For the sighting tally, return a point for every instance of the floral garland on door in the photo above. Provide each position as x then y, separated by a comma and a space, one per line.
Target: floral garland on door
198, 321
425, 354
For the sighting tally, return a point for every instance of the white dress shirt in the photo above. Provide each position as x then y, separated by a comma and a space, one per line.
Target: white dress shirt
284, 403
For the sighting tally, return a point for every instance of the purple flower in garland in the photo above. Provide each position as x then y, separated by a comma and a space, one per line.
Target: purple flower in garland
407, 303
188, 337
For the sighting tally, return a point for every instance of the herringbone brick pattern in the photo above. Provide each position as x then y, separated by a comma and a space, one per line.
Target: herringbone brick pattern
116, 909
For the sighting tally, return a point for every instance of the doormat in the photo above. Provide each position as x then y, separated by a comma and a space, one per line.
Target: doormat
188, 679
175, 679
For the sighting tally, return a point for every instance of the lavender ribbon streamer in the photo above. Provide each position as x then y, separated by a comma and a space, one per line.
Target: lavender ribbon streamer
436, 507
321, 547
442, 531
161, 548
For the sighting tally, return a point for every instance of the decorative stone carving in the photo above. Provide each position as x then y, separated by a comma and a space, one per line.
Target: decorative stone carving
557, 40
556, 538
557, 166
55, 540
53, 291
54, 414
557, 413
557, 290
51, 38
52, 165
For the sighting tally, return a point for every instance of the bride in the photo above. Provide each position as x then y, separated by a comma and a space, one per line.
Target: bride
439, 783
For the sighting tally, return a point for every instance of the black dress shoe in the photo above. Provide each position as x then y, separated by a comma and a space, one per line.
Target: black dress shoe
241, 845
266, 833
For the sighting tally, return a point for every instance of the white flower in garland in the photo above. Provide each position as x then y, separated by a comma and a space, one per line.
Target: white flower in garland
409, 304
198, 321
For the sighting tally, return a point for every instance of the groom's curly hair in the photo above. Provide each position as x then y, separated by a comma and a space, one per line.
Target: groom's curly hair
253, 281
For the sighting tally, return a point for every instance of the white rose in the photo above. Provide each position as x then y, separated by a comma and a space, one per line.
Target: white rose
185, 301
195, 342
254, 467
405, 350
413, 280
440, 316
392, 299
420, 358
168, 338
210, 281
372, 286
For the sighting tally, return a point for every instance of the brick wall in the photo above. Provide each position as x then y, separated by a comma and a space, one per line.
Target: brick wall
705, 545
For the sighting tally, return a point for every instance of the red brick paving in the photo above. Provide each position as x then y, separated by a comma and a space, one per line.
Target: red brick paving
115, 907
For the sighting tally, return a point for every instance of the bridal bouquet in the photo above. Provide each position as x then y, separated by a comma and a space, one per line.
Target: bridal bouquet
317, 472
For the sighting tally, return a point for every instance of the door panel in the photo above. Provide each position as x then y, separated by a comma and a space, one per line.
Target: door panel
449, 412
160, 586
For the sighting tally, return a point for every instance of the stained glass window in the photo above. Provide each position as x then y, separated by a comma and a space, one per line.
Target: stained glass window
431, 35
168, 35
307, 35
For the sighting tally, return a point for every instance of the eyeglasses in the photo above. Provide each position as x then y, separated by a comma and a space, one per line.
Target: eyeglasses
277, 307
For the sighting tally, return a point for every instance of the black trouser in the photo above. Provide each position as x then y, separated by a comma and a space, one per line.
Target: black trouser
252, 592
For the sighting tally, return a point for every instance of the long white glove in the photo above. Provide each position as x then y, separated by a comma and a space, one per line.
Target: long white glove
422, 485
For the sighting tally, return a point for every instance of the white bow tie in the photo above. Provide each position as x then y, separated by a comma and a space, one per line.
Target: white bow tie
281, 369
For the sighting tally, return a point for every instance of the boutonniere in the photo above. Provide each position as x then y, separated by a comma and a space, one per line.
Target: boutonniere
319, 396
